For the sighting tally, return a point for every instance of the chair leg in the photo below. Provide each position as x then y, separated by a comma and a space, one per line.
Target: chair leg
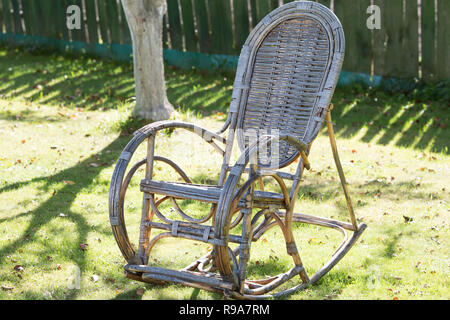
339, 168
144, 236
244, 248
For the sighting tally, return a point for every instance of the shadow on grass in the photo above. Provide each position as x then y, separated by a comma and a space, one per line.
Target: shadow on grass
61, 201
128, 295
89, 83
331, 285
62, 80
315, 190
385, 117
28, 116
85, 82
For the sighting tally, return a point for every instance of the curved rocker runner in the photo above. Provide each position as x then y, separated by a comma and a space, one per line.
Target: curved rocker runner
286, 76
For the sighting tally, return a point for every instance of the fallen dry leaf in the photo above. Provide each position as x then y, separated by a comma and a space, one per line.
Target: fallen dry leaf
93, 164
408, 219
7, 288
140, 292
18, 268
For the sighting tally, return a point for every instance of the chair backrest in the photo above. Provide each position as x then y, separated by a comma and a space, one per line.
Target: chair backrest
286, 76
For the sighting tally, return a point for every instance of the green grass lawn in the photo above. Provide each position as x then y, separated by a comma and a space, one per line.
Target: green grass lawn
65, 120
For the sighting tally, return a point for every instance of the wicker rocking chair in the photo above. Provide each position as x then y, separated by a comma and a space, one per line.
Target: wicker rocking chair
286, 76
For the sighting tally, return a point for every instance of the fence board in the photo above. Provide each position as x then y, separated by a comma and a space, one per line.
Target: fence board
443, 52
9, 26
64, 31
27, 17
16, 17
410, 63
113, 20
59, 19
47, 18
2, 18
201, 15
326, 3
91, 21
103, 22
222, 33
401, 28
188, 25
241, 23
429, 56
353, 17
262, 9
174, 25
273, 4
253, 12
77, 34
165, 38
378, 38
124, 29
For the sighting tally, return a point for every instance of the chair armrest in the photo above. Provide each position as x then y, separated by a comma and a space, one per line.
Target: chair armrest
205, 134
265, 141
301, 147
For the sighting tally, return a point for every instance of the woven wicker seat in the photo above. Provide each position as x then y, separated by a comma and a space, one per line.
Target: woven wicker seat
287, 72
206, 193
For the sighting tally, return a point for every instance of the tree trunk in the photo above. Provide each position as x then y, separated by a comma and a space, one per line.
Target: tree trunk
144, 19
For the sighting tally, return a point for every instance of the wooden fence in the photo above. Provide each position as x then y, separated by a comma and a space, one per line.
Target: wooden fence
414, 39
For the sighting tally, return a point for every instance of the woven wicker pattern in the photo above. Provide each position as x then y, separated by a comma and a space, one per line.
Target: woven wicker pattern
289, 68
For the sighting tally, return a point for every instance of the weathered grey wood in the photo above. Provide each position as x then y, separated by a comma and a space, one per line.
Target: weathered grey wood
204, 193
190, 232
286, 76
209, 279
277, 281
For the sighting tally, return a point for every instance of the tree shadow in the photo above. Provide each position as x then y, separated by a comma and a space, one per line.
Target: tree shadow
128, 295
387, 117
88, 83
58, 79
85, 82
61, 201
28, 116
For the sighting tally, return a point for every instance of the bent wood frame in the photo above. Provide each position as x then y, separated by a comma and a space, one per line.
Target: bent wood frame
223, 270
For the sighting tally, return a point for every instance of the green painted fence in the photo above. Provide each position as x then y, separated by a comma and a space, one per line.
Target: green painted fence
413, 40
